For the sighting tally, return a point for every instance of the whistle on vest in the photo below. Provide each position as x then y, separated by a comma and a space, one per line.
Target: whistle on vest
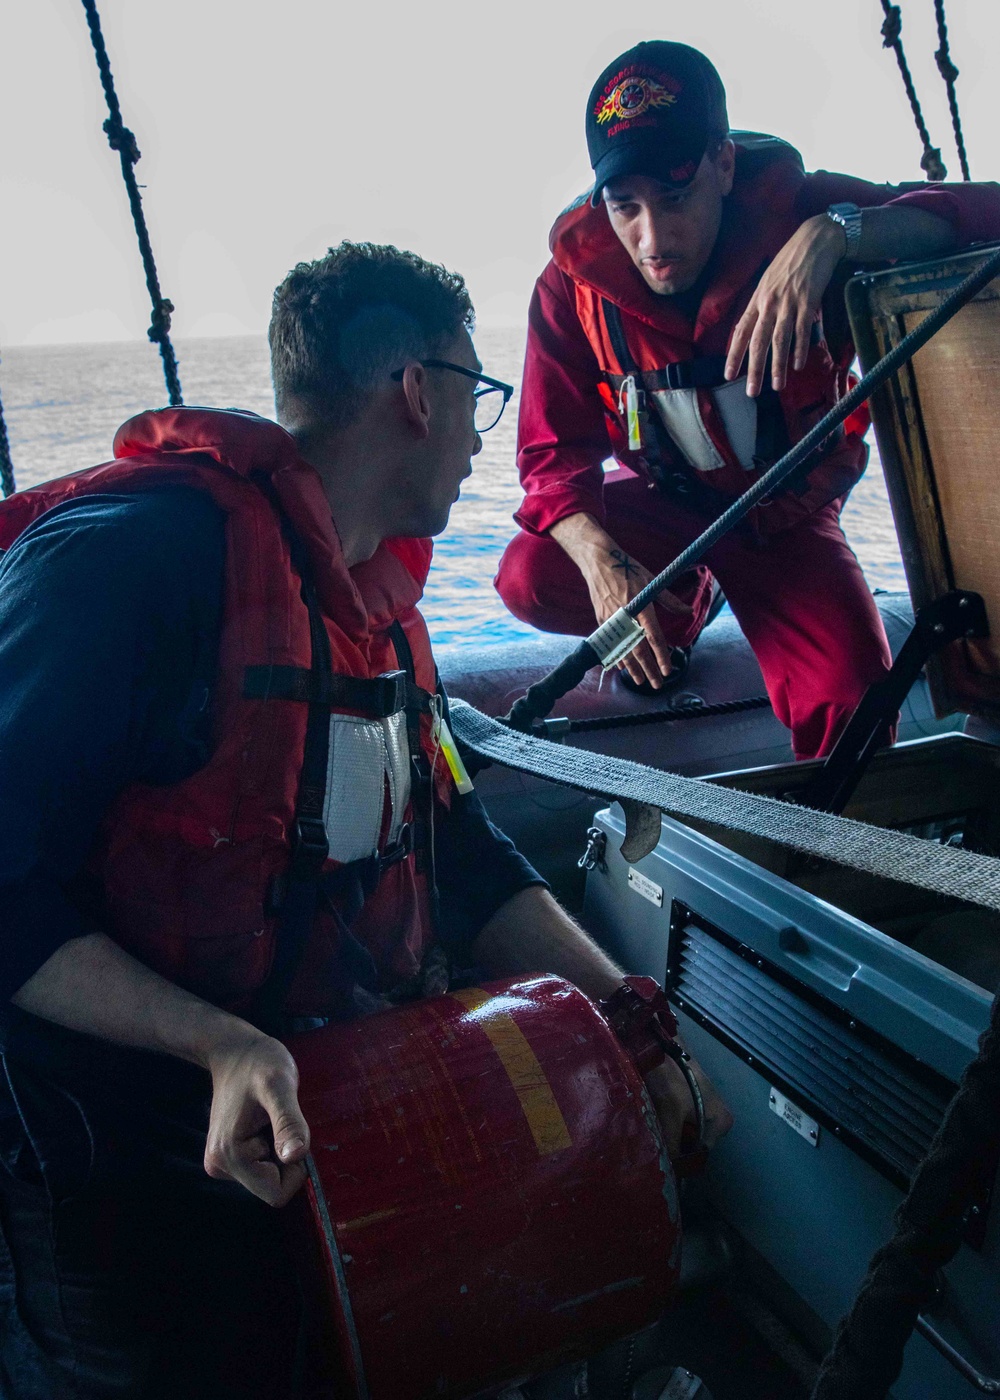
632, 402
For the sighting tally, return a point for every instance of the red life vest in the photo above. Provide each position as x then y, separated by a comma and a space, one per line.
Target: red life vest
191, 873
702, 440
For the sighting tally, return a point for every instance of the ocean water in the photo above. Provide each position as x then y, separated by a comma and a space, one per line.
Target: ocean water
63, 404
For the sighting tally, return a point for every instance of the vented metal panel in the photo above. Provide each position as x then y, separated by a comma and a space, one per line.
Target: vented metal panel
876, 1097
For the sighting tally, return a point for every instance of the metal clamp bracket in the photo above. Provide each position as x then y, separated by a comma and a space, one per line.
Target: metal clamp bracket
955, 615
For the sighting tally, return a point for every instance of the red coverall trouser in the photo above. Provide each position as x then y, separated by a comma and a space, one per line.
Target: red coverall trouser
799, 596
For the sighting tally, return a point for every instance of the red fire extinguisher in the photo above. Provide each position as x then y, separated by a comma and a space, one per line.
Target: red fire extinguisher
488, 1190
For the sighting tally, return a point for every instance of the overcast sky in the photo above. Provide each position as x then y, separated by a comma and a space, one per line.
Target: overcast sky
272, 130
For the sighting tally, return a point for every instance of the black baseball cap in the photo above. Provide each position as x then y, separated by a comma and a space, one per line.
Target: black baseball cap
654, 111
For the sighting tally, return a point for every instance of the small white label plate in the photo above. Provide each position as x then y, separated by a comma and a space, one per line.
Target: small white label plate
791, 1114
645, 887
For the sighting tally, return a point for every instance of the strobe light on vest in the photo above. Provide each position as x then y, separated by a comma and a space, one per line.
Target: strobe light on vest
489, 1193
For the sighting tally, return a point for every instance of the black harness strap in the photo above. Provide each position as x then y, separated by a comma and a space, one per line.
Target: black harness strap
422, 777
616, 334
295, 895
708, 372
662, 462
672, 475
378, 697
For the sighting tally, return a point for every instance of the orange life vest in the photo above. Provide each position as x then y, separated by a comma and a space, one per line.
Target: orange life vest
196, 877
698, 438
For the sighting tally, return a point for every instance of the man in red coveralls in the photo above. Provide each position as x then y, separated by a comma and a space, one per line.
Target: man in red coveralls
691, 320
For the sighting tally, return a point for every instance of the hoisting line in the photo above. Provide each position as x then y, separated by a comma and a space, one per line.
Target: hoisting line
621, 633
6, 462
930, 162
123, 141
949, 73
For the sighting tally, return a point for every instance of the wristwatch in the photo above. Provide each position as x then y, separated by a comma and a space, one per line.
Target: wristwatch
848, 216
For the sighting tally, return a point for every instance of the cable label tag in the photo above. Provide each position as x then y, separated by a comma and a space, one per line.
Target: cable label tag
615, 638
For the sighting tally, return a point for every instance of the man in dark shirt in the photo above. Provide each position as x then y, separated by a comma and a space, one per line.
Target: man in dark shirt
125, 1270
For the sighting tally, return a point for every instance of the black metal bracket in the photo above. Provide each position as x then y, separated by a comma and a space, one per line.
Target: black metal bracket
955, 615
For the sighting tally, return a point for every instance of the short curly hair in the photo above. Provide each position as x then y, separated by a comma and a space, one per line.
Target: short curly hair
340, 324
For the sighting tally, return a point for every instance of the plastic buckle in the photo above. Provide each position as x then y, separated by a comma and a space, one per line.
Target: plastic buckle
310, 846
678, 375
400, 848
390, 694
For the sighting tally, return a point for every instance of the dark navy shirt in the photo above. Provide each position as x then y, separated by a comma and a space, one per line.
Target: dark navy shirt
109, 617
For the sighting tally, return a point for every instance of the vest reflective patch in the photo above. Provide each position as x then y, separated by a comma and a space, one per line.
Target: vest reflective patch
681, 416
739, 418
367, 758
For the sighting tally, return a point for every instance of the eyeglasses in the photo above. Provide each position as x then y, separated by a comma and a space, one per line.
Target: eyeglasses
491, 400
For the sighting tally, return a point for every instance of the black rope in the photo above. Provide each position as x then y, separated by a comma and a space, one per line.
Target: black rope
867, 1353
930, 162
949, 73
692, 709
6, 463
123, 141
543, 694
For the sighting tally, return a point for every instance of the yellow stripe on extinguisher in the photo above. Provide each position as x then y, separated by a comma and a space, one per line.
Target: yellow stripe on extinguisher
544, 1117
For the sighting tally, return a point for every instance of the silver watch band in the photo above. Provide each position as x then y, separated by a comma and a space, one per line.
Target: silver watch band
848, 216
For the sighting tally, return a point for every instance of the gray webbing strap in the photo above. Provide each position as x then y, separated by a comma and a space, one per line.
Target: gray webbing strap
890, 854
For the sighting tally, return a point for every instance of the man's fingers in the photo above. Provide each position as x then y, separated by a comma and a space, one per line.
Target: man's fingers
288, 1127
740, 341
655, 641
803, 334
760, 343
642, 666
781, 344
270, 1181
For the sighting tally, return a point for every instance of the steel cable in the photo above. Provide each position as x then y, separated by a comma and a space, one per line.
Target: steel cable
949, 73
122, 140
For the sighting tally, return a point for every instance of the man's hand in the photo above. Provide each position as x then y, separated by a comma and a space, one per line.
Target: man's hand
786, 304
613, 578
256, 1134
674, 1108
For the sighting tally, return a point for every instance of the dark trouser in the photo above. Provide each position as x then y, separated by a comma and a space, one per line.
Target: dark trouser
799, 596
125, 1271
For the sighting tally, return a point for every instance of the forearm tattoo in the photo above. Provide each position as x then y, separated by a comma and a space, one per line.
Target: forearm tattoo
622, 561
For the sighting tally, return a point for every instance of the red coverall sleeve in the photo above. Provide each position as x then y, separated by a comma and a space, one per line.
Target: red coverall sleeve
561, 436
972, 209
